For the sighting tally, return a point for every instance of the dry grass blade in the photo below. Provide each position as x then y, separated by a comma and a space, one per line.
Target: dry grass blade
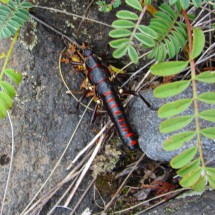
82, 197
85, 170
85, 14
109, 204
58, 162
72, 14
176, 192
78, 168
137, 72
89, 145
11, 162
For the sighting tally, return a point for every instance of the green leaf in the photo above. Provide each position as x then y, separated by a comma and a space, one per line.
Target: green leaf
199, 186
13, 75
189, 167
8, 88
163, 16
11, 29
119, 43
210, 171
174, 108
26, 5
18, 20
184, 158
208, 98
5, 8
208, 132
185, 4
135, 4
206, 77
175, 42
3, 111
182, 31
197, 3
168, 68
168, 10
171, 89
5, 100
170, 48
152, 53
159, 23
175, 123
120, 52
14, 24
123, 24
148, 31
5, 1
24, 12
117, 33
180, 38
125, 14
208, 115
171, 2
132, 53
198, 42
211, 181
160, 31
4, 13
176, 141
146, 40
191, 178
161, 53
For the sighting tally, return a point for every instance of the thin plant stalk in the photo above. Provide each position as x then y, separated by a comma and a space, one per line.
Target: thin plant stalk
9, 54
149, 200
193, 75
111, 202
58, 162
11, 162
87, 166
71, 14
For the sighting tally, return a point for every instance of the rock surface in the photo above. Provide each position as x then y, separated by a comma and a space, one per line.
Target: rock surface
189, 205
147, 123
42, 118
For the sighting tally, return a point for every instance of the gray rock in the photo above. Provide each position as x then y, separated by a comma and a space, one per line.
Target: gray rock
146, 122
191, 204
42, 122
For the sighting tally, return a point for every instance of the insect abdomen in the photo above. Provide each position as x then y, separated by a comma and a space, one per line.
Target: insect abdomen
117, 114
99, 76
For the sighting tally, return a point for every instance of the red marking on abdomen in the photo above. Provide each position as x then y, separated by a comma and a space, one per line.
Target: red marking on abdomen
123, 125
110, 100
102, 80
125, 129
113, 105
121, 120
107, 93
97, 65
117, 112
129, 134
133, 142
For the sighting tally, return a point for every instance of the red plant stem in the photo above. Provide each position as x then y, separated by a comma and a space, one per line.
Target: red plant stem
193, 75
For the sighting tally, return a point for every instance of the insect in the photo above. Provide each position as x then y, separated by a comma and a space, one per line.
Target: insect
99, 76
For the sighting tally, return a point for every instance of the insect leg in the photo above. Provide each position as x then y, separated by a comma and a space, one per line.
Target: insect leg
82, 98
135, 93
94, 115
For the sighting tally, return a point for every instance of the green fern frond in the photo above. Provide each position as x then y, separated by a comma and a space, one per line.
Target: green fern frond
193, 172
12, 16
164, 35
172, 34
